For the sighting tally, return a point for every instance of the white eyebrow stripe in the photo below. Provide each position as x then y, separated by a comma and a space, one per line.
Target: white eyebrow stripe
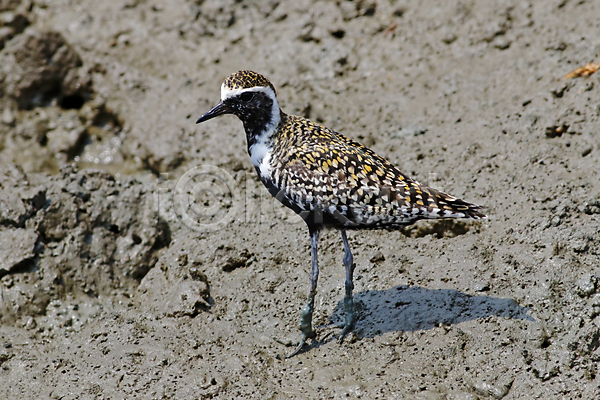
227, 93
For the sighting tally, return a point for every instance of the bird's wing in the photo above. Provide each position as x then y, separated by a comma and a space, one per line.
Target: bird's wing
336, 174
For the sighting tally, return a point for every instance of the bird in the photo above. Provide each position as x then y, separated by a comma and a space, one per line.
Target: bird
330, 180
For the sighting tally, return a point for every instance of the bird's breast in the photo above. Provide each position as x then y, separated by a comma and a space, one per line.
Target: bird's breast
260, 155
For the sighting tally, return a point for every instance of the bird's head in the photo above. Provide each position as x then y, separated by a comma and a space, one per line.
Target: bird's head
249, 96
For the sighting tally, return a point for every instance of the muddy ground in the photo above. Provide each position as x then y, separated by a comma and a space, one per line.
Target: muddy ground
141, 258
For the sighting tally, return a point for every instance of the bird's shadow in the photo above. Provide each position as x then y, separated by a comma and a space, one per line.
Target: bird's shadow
404, 308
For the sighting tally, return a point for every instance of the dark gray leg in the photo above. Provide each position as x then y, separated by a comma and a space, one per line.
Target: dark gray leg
348, 302
307, 311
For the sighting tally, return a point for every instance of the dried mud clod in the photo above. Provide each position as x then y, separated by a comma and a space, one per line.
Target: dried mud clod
229, 258
81, 233
11, 24
187, 290
51, 114
39, 67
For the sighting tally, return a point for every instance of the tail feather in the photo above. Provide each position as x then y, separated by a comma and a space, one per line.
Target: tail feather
442, 205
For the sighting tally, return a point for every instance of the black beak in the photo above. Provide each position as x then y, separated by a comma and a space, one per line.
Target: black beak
217, 110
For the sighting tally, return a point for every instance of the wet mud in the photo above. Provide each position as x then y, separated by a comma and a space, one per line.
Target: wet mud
140, 257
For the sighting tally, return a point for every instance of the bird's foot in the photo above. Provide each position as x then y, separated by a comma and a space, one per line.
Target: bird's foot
311, 335
305, 325
346, 328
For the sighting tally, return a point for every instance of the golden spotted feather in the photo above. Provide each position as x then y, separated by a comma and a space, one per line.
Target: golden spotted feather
246, 80
316, 168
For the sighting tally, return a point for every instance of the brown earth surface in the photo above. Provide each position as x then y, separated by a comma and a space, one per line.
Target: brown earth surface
140, 257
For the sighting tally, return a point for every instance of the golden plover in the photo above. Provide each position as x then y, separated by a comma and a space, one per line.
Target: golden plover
331, 181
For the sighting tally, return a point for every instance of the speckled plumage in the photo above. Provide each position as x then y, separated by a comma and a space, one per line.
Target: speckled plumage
330, 180
246, 80
319, 169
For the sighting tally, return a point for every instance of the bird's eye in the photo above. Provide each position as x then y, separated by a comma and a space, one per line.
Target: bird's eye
246, 96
